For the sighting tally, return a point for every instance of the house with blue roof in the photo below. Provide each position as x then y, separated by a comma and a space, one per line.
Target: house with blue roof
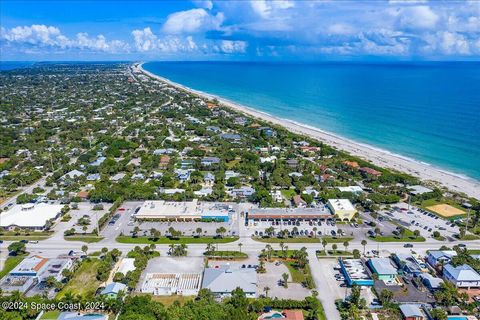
113, 289
462, 276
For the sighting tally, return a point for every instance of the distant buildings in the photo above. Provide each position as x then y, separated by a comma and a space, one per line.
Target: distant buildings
342, 208
30, 216
223, 280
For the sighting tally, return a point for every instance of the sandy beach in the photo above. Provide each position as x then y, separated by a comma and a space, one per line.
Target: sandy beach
375, 155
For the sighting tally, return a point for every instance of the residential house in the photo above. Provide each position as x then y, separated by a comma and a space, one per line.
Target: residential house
208, 161
113, 289
440, 257
462, 276
412, 312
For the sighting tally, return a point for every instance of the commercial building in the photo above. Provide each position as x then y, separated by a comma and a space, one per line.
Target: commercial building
462, 276
165, 284
184, 211
265, 214
383, 268
355, 272
32, 266
223, 280
30, 216
342, 208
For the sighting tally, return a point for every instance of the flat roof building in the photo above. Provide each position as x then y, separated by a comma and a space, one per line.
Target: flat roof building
343, 208
352, 189
30, 216
289, 213
383, 268
183, 211
30, 267
355, 272
165, 284
223, 280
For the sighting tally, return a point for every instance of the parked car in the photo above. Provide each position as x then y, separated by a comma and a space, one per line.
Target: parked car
408, 245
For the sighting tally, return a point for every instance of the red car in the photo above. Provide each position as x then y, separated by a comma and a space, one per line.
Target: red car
121, 209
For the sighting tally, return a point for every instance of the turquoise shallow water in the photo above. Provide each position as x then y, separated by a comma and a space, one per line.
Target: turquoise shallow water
428, 111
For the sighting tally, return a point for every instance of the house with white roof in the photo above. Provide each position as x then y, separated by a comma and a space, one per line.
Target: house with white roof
30, 216
223, 280
462, 276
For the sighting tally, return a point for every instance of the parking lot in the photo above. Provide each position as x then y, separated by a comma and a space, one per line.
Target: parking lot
294, 227
126, 223
424, 221
273, 280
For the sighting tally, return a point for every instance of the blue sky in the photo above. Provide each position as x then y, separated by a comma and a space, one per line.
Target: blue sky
240, 30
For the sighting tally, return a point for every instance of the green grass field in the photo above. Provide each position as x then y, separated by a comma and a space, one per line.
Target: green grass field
185, 240
287, 240
87, 239
11, 263
13, 236
296, 275
84, 282
226, 254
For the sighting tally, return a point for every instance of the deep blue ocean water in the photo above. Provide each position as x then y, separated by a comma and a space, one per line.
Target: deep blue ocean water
428, 111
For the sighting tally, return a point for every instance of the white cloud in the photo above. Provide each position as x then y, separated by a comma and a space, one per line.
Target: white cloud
227, 46
417, 17
206, 4
265, 8
144, 39
50, 36
192, 21
341, 28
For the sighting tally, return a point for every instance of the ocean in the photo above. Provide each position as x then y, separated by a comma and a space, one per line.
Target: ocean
427, 111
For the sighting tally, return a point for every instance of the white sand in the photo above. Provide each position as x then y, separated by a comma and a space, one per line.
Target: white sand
375, 155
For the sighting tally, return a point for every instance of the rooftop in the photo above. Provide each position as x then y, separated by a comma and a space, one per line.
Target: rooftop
226, 279
383, 266
29, 215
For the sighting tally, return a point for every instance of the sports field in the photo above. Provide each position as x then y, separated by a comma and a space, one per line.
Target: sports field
446, 210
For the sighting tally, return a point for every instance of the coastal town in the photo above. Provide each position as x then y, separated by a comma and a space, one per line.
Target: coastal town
125, 196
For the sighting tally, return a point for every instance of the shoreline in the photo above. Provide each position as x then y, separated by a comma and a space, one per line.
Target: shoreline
377, 156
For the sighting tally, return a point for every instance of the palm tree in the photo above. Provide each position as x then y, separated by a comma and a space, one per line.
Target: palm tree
314, 232
285, 279
416, 233
364, 243
85, 248
199, 231
240, 247
324, 244
266, 289
345, 244
334, 248
282, 246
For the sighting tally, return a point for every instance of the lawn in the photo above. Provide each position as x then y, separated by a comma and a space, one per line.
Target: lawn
296, 275
288, 193
84, 282
330, 253
165, 240
337, 239
11, 263
407, 237
226, 254
287, 240
87, 239
15, 236
169, 300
